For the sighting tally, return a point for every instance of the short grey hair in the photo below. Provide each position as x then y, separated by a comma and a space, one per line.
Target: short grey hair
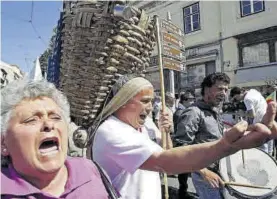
21, 89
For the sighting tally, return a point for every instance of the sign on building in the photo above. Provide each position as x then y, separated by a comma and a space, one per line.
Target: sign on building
172, 42
173, 52
172, 64
172, 39
170, 27
172, 46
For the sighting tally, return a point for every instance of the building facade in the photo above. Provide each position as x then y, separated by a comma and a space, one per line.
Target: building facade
9, 73
250, 42
235, 37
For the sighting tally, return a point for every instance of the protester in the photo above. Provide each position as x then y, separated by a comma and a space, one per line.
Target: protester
76, 136
255, 109
34, 143
201, 123
157, 104
270, 89
170, 101
132, 160
186, 100
169, 109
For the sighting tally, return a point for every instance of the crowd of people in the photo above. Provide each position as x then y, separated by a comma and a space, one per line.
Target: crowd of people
126, 153
201, 121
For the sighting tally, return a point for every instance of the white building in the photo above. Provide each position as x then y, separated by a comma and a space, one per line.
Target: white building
250, 42
9, 73
236, 37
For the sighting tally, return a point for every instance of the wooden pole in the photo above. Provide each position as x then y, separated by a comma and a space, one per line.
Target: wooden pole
241, 185
160, 61
171, 72
243, 158
245, 185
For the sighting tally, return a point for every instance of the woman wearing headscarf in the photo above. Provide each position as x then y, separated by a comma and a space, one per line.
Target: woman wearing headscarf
124, 147
34, 144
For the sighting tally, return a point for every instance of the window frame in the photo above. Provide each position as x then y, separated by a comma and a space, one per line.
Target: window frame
271, 47
254, 44
191, 18
252, 6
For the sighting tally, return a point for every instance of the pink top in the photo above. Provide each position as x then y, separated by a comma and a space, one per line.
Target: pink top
84, 181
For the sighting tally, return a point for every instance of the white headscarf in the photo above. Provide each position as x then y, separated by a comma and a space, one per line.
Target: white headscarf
127, 92
130, 89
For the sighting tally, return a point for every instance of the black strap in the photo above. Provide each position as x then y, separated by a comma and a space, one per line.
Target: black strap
113, 194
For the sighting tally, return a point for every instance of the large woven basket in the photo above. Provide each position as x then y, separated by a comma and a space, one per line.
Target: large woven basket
101, 40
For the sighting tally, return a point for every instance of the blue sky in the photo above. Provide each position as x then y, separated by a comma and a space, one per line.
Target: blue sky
19, 43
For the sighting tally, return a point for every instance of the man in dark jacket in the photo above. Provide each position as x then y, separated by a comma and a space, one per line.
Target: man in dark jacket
201, 123
186, 100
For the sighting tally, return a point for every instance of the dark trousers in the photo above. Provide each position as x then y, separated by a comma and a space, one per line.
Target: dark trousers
183, 184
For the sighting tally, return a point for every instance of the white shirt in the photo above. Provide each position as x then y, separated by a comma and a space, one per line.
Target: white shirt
254, 100
121, 150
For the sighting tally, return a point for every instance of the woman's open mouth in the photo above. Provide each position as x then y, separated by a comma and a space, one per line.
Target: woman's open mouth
142, 116
49, 146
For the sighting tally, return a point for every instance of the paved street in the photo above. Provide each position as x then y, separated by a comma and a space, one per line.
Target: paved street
173, 188
173, 184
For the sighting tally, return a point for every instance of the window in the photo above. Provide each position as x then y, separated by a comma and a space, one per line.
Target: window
258, 47
191, 18
195, 77
249, 7
210, 67
255, 54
